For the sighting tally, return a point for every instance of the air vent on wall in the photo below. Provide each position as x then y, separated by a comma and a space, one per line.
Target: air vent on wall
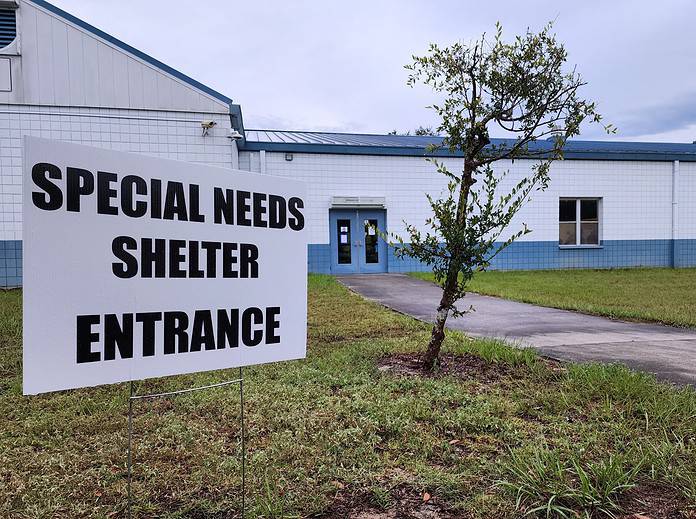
8, 26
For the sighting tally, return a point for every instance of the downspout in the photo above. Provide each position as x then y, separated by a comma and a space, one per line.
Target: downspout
675, 214
236, 133
235, 155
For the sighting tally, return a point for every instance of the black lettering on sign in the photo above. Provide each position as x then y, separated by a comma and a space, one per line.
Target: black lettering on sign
272, 324
202, 334
211, 248
86, 337
175, 202
250, 317
156, 199
243, 208
228, 329
176, 258
177, 332
136, 197
259, 210
129, 266
153, 256
148, 319
194, 270
277, 212
229, 258
175, 325
106, 193
223, 206
79, 182
117, 336
294, 205
52, 197
249, 266
194, 200
130, 186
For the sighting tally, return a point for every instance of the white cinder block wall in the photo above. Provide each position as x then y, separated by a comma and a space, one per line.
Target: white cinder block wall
636, 196
686, 201
402, 180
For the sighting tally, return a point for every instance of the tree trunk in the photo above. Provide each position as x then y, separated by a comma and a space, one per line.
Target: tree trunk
449, 290
432, 354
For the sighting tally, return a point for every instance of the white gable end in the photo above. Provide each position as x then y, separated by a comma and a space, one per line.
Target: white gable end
59, 63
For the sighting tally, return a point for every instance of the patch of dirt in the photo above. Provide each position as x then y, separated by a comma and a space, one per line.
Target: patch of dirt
651, 501
405, 503
466, 366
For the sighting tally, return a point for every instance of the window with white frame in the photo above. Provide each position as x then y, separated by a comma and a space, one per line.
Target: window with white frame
578, 221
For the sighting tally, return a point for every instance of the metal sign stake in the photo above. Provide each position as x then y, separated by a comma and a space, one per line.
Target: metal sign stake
133, 397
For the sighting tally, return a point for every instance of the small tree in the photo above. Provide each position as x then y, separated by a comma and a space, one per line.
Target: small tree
520, 88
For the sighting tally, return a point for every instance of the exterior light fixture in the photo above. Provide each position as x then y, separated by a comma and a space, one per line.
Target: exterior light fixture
207, 125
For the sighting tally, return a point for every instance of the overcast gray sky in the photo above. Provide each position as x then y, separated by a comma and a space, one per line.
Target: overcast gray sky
327, 65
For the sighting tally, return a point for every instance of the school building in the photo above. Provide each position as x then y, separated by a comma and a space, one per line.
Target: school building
609, 204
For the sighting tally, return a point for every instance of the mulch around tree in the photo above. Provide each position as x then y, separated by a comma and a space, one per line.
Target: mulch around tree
465, 366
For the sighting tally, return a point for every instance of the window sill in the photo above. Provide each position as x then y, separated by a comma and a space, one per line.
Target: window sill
575, 247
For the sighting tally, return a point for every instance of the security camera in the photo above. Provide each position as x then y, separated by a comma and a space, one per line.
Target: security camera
207, 125
234, 134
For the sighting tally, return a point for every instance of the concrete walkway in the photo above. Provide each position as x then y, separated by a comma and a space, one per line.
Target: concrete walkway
668, 352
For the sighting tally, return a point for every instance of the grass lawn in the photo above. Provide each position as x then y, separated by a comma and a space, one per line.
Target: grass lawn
646, 294
508, 435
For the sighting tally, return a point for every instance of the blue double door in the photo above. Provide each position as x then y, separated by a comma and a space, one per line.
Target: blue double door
356, 246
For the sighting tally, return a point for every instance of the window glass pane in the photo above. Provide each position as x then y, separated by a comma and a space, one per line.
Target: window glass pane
588, 210
371, 252
567, 234
566, 211
343, 242
589, 233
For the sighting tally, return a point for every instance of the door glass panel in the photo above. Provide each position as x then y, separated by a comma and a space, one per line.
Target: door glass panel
343, 241
371, 249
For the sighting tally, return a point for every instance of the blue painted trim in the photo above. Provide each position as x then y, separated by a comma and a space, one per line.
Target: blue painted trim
542, 255
411, 151
10, 263
319, 258
132, 50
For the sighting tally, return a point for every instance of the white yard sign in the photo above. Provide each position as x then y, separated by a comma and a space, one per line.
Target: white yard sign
137, 267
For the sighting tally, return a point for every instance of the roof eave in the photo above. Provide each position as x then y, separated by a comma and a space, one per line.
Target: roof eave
401, 151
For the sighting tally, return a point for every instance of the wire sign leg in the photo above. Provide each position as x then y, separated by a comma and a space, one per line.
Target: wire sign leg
133, 397
130, 446
241, 423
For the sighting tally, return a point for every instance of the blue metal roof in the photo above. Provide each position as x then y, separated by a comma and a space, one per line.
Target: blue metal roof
132, 50
415, 145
